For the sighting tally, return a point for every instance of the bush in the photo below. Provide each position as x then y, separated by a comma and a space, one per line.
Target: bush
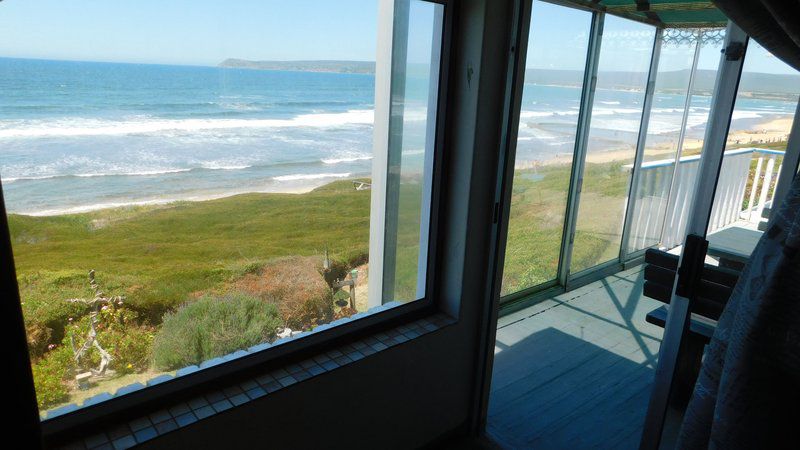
49, 376
296, 286
211, 327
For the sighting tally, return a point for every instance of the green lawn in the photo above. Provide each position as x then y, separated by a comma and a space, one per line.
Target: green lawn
538, 205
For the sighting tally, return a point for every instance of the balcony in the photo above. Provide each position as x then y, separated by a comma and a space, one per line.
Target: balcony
575, 370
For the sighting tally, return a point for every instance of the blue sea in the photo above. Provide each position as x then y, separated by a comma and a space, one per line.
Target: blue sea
80, 136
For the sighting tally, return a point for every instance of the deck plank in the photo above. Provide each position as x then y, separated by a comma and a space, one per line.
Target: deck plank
575, 371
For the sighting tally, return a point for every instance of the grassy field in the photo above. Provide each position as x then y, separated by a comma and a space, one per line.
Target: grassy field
161, 257
157, 256
538, 205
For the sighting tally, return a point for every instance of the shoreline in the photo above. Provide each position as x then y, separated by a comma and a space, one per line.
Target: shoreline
774, 129
109, 206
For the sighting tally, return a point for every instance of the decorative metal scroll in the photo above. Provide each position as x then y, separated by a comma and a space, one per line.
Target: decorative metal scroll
689, 36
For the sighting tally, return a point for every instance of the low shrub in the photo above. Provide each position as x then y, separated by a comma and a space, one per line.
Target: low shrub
296, 285
50, 376
211, 327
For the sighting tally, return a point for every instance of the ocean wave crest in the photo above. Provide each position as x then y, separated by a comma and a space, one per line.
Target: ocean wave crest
310, 176
100, 127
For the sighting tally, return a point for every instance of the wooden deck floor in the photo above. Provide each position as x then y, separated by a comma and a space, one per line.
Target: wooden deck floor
575, 371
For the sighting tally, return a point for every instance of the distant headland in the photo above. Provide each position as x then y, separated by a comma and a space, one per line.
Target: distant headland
367, 67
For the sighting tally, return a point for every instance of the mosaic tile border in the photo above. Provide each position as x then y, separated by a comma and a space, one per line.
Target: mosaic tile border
157, 423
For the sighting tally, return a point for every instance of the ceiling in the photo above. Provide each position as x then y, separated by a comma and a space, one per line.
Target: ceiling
664, 13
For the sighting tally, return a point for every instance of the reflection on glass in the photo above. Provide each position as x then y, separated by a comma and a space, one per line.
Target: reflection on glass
411, 155
545, 144
757, 137
616, 116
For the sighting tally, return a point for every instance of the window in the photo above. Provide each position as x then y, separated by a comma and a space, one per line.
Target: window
192, 180
678, 116
551, 99
754, 152
616, 116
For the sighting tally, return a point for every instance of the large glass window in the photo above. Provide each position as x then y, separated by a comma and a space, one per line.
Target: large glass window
762, 119
187, 180
551, 99
678, 116
615, 119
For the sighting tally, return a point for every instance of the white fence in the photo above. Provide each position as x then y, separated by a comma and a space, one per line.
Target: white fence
661, 210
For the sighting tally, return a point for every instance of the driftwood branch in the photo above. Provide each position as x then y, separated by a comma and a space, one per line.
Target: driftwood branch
100, 299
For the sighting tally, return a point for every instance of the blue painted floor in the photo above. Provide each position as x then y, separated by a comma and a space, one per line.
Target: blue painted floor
575, 371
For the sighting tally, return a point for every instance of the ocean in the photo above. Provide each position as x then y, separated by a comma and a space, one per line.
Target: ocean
80, 136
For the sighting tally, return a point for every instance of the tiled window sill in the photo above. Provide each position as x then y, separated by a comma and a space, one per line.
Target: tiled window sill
157, 423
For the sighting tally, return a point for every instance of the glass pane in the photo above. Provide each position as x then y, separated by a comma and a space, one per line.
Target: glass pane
682, 191
616, 115
664, 132
192, 182
760, 125
411, 154
551, 97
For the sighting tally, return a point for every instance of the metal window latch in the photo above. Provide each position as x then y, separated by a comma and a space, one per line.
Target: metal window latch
734, 51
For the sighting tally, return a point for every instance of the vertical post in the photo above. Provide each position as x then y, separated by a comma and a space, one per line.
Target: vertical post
430, 143
676, 171
789, 166
777, 180
753, 190
581, 143
762, 198
640, 145
727, 83
390, 65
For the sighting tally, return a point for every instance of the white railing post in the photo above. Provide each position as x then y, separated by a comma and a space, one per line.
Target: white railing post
777, 180
753, 189
762, 198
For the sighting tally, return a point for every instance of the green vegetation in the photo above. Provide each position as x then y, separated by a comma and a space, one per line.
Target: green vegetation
538, 205
162, 257
221, 275
211, 327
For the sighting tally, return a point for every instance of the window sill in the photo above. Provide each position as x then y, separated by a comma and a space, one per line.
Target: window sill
182, 414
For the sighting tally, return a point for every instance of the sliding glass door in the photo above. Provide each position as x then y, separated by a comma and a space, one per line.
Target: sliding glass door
623, 68
548, 122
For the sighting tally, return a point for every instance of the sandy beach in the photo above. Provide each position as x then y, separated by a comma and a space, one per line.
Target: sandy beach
771, 131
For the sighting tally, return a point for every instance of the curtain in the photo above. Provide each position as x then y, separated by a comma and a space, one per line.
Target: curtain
775, 24
748, 393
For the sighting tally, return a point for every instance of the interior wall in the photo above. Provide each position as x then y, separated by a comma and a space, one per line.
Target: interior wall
427, 388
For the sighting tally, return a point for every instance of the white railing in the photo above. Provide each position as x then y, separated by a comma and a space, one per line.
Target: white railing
662, 206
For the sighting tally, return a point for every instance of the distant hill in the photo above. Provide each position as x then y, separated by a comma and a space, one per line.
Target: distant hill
762, 85
302, 66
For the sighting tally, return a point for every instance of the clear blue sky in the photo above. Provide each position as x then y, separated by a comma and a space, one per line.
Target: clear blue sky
205, 32
188, 31
560, 35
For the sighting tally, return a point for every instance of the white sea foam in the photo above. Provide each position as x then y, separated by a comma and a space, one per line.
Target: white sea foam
95, 174
216, 165
131, 174
98, 127
310, 176
346, 159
